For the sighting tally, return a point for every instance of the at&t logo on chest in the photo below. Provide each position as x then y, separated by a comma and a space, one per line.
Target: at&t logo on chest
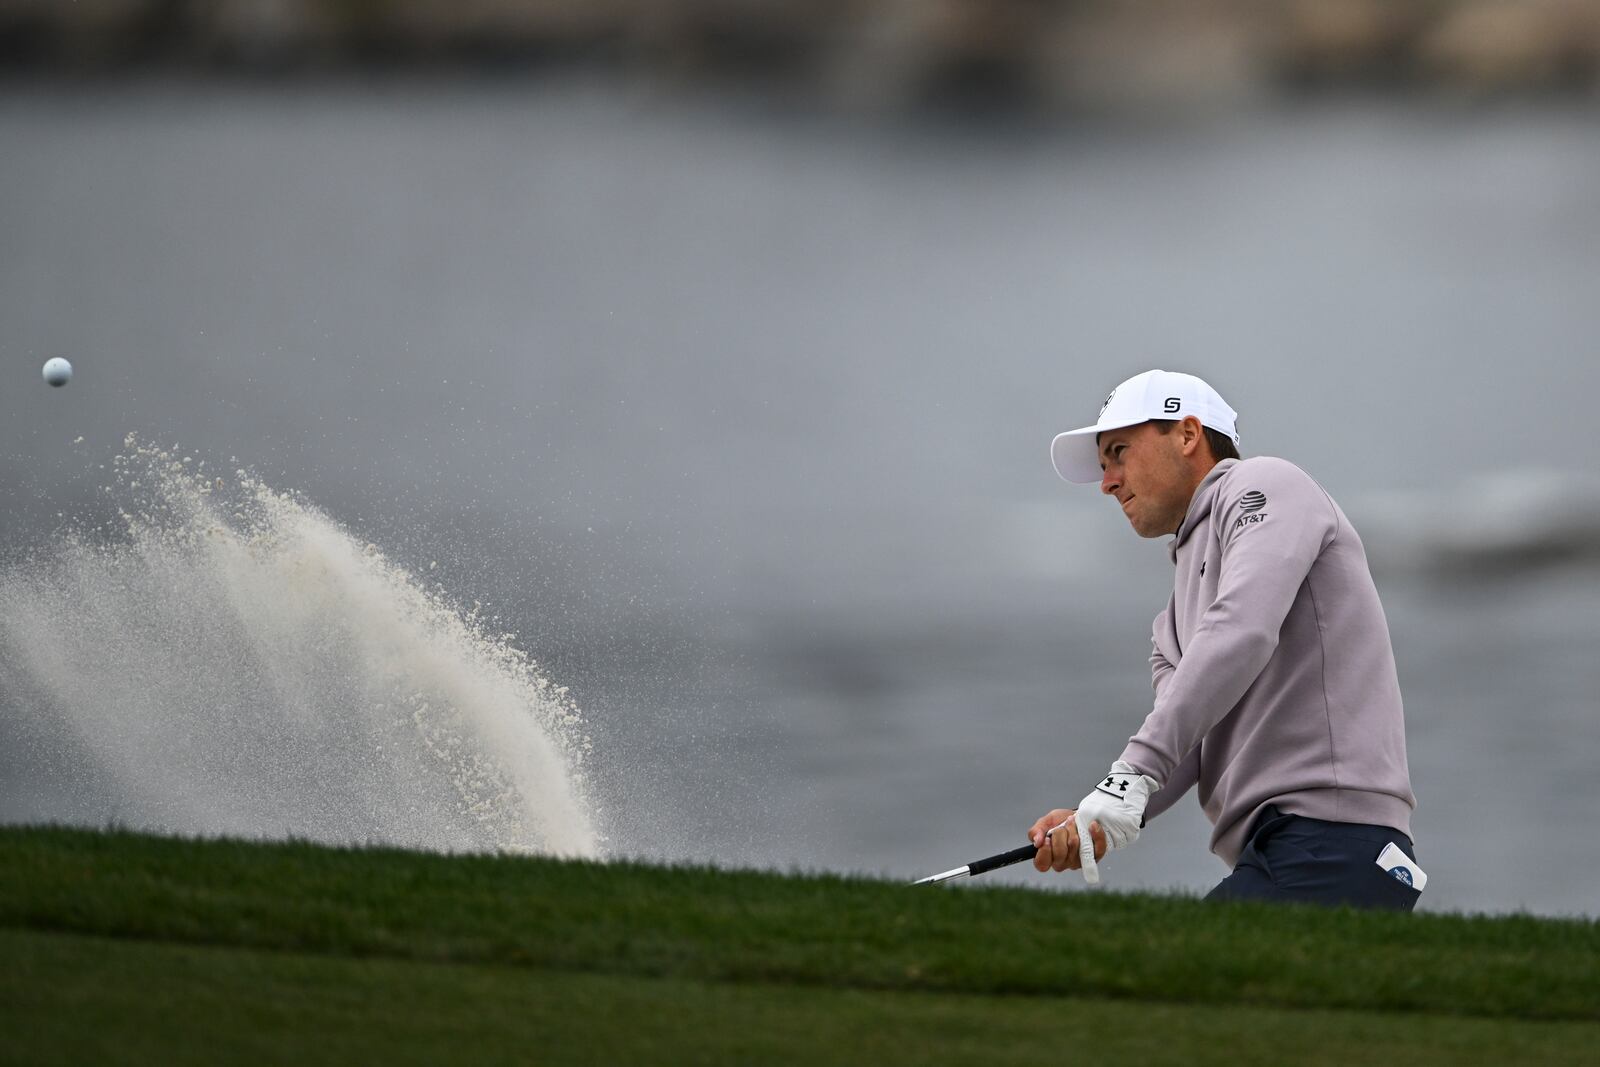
1250, 506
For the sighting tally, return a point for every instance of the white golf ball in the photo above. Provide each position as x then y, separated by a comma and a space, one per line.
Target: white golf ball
57, 371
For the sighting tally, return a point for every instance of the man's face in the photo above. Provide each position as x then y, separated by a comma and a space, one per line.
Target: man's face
1148, 473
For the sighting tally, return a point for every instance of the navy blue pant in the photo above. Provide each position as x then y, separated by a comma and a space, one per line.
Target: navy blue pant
1293, 859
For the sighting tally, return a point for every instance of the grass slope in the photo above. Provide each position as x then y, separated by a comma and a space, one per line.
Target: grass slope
129, 948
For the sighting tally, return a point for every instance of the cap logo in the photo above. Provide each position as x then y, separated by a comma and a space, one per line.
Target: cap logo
1171, 405
1107, 404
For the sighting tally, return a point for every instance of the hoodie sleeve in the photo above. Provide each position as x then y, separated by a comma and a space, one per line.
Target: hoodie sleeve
1161, 667
1186, 773
1178, 783
1271, 522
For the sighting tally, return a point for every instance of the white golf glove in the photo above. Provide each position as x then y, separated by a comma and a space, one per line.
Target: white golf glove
1117, 804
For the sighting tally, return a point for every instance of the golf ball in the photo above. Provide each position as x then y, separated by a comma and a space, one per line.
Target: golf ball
57, 371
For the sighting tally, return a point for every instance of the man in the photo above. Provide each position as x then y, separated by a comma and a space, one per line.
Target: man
1275, 684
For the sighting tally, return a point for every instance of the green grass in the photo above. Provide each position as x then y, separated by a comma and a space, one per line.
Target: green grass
128, 948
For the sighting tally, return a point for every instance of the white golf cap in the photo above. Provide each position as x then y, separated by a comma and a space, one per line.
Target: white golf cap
1155, 394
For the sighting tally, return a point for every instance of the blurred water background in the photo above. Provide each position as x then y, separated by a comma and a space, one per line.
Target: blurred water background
735, 411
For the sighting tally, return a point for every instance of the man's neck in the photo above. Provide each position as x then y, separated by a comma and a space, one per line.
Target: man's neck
1200, 470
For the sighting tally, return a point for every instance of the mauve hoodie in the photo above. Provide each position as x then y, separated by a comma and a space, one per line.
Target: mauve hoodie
1275, 681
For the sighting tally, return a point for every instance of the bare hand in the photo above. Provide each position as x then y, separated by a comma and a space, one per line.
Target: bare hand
1059, 851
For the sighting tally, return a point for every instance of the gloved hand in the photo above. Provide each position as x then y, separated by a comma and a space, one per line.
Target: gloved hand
1117, 804
1056, 838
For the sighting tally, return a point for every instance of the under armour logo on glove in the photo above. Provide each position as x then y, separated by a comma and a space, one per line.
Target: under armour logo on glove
1115, 786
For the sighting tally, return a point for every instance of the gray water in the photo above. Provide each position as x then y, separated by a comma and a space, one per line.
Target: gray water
739, 422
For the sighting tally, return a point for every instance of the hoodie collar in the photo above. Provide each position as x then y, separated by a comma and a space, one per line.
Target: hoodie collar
1205, 494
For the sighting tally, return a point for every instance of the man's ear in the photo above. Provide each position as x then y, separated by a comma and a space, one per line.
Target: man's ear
1193, 435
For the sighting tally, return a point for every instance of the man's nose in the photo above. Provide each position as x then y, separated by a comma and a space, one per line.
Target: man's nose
1109, 482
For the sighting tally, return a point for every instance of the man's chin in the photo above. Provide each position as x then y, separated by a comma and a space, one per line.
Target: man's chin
1144, 530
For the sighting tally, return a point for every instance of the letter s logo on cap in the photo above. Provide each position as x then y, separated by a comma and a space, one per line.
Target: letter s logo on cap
1171, 406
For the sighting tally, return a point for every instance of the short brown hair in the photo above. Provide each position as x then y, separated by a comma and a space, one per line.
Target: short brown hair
1221, 445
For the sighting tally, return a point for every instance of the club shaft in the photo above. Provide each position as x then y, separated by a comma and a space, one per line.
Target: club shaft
988, 863
1003, 859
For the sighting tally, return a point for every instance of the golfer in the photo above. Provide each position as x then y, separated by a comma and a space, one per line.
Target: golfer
1275, 685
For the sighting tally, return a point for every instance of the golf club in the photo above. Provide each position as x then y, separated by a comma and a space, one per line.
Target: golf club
988, 863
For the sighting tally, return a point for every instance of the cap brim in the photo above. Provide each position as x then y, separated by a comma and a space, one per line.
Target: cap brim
1076, 453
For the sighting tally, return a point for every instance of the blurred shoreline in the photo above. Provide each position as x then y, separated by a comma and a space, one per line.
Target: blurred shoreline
858, 54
